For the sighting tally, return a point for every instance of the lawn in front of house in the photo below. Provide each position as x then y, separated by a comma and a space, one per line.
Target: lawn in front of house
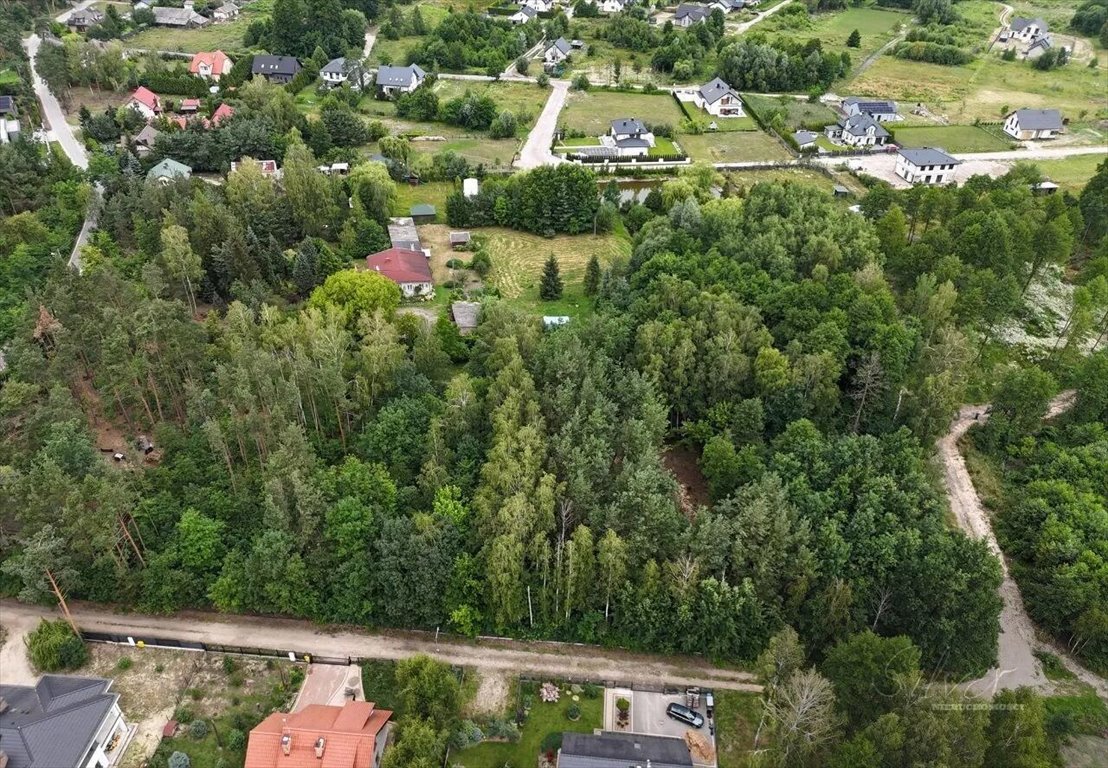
433, 193
225, 36
952, 138
591, 112
543, 719
663, 147
476, 149
733, 147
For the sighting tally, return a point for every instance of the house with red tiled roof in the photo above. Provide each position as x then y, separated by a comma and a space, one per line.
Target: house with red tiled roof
210, 65
320, 736
222, 112
408, 269
145, 102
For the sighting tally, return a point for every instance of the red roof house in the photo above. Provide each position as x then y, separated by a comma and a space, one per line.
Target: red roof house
408, 269
189, 105
320, 736
210, 64
222, 112
145, 101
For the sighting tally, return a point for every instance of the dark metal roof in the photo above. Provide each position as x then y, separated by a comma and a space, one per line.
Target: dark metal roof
622, 750
715, 90
871, 106
1021, 23
399, 76
265, 64
695, 12
921, 156
859, 125
628, 125
1039, 119
561, 45
7, 105
53, 724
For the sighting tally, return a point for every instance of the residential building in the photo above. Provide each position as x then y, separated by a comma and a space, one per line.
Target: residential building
167, 171
524, 15
61, 721
719, 99
805, 139
629, 137
222, 112
465, 314
926, 165
611, 6
728, 6
226, 12
608, 748
687, 14
81, 21
557, 52
145, 102
1027, 29
540, 6
881, 110
210, 65
342, 70
267, 167
403, 234
275, 69
410, 270
394, 80
189, 106
182, 18
1038, 47
1027, 124
858, 131
320, 736
144, 139
9, 119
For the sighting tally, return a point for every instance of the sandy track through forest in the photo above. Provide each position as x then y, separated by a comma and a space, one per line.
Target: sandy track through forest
546, 659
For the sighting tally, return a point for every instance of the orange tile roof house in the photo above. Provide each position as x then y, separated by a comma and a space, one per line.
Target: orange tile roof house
408, 269
320, 736
210, 64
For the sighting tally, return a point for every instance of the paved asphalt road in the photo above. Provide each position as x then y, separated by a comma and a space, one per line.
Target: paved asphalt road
52, 112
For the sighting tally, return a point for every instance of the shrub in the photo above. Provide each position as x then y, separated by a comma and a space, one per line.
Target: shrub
581, 83
623, 705
503, 126
183, 714
228, 665
159, 668
543, 80
179, 760
468, 734
236, 739
573, 712
481, 263
522, 65
198, 729
593, 691
551, 742
124, 664
53, 647
502, 729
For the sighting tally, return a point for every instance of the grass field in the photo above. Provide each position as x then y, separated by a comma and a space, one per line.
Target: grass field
518, 259
225, 36
747, 179
798, 113
737, 717
734, 147
434, 193
387, 51
952, 138
876, 26
544, 718
478, 150
591, 112
523, 99
1071, 173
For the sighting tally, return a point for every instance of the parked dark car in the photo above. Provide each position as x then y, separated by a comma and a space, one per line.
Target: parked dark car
685, 715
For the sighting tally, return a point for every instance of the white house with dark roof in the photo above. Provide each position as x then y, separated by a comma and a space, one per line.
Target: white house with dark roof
275, 69
81, 21
729, 6
1038, 47
805, 139
719, 99
1028, 124
611, 6
881, 110
557, 52
688, 14
181, 18
9, 119
394, 80
629, 138
1028, 29
61, 721
859, 131
342, 70
523, 15
926, 165
541, 6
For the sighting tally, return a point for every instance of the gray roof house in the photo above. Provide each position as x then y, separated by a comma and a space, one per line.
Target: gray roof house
805, 138
465, 315
622, 750
340, 70
557, 51
923, 156
276, 69
628, 126
178, 17
1023, 26
82, 20
60, 721
926, 165
1033, 123
400, 79
687, 14
879, 109
168, 170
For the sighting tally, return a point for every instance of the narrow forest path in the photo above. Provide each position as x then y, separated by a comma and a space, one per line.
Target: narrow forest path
1016, 662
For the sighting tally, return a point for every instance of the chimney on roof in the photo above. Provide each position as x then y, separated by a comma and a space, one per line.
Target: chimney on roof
320, 743
286, 741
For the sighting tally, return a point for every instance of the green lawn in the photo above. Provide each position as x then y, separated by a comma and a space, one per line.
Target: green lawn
591, 112
225, 36
734, 147
478, 150
798, 113
543, 719
662, 147
952, 138
379, 683
737, 717
1071, 173
523, 99
434, 193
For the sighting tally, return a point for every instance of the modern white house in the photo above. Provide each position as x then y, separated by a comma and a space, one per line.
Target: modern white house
394, 80
729, 6
524, 15
541, 6
687, 14
226, 12
342, 70
926, 165
881, 110
61, 721
629, 137
1027, 29
611, 6
557, 52
9, 119
1038, 47
805, 139
858, 131
1029, 124
719, 99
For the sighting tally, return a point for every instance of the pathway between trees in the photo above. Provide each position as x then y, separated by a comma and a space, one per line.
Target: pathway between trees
1016, 662
544, 659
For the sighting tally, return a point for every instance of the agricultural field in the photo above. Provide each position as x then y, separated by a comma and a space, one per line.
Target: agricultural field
225, 36
877, 26
952, 138
591, 112
733, 147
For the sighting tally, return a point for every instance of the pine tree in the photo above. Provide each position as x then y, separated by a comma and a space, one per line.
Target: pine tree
550, 289
592, 276
855, 40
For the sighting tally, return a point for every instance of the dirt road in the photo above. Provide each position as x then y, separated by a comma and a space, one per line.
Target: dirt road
738, 29
536, 150
1016, 662
553, 659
